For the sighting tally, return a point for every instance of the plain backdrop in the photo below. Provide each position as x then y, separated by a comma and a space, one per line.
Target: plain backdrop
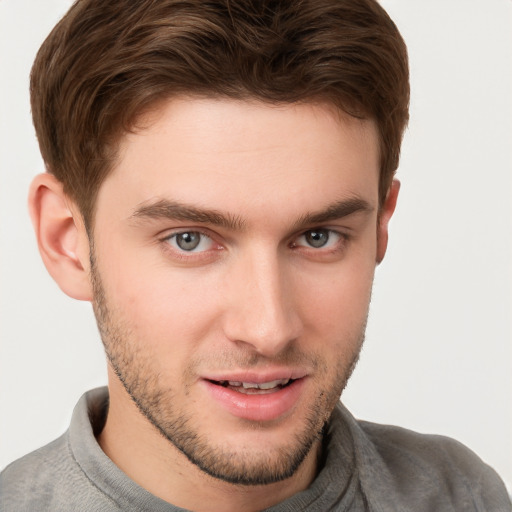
438, 354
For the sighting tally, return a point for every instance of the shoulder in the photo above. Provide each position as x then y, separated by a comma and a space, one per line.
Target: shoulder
437, 469
48, 479
36, 466
425, 472
30, 481
439, 454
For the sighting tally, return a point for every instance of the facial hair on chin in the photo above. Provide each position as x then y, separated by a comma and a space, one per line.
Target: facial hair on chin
133, 368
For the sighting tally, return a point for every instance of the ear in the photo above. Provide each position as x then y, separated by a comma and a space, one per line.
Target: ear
61, 236
385, 215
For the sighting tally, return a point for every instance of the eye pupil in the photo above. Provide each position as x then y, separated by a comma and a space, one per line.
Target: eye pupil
188, 241
317, 237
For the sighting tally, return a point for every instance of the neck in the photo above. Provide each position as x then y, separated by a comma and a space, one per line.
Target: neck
154, 463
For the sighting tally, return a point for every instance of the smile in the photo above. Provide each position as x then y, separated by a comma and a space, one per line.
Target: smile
249, 388
267, 400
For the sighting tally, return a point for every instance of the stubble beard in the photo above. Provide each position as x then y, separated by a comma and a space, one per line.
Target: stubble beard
133, 368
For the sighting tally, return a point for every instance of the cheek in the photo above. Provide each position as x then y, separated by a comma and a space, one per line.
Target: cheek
168, 311
338, 309
345, 284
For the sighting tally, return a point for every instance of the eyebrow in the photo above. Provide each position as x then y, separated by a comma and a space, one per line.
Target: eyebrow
336, 210
173, 210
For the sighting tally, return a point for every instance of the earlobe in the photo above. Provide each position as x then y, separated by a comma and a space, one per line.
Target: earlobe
61, 236
384, 217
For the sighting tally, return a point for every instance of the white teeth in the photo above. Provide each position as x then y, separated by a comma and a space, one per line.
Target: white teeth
253, 385
249, 385
265, 385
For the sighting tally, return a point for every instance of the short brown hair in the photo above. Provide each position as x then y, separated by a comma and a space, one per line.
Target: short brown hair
106, 62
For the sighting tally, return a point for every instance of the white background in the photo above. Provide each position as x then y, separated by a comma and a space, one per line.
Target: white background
438, 356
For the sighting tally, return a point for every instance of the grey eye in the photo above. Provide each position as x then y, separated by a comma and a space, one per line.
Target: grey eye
188, 241
317, 237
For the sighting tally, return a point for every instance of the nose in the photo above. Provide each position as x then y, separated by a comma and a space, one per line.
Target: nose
262, 309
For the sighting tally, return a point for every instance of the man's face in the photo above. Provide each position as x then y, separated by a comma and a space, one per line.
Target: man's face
234, 253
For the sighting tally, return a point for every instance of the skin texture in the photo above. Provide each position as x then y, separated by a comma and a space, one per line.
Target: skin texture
282, 202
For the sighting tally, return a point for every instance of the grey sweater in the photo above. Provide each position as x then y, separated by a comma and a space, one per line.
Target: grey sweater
366, 467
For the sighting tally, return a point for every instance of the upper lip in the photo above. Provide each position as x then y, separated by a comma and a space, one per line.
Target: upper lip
256, 377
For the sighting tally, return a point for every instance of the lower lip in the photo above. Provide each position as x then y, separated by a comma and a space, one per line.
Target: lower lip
254, 407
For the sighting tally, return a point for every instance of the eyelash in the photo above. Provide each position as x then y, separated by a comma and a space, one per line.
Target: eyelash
181, 253
342, 238
184, 254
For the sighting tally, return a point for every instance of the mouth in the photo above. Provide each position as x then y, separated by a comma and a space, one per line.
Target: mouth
254, 388
256, 397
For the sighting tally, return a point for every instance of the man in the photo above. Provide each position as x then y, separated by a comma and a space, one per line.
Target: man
220, 185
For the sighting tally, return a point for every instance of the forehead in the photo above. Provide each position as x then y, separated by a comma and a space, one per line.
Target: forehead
245, 154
